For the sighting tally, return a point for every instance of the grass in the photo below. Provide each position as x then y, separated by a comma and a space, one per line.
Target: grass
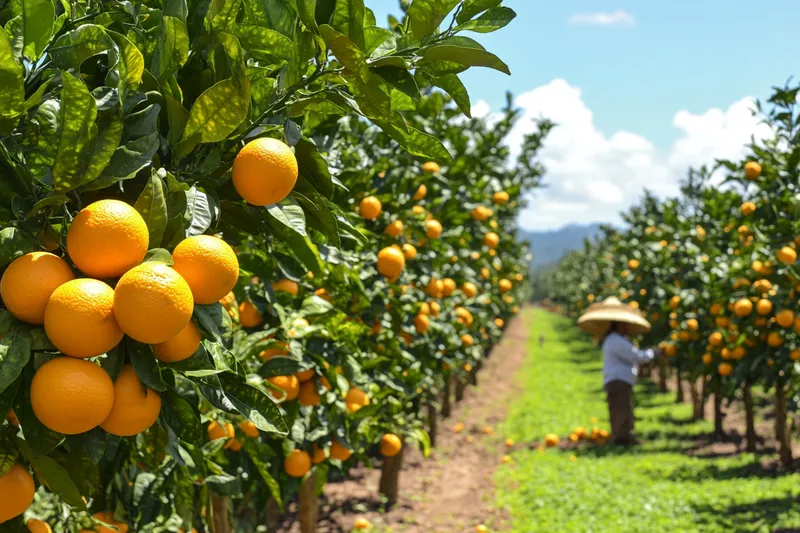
654, 488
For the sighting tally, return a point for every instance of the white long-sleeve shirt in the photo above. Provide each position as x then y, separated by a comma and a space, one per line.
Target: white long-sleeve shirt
621, 359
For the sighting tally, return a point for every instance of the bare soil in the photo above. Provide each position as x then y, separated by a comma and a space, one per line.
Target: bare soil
452, 489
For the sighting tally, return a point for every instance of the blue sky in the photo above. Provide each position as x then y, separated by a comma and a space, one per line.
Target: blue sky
628, 83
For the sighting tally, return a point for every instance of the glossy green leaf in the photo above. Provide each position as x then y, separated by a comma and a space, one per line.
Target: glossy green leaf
172, 48
313, 167
426, 15
198, 214
475, 7
307, 10
464, 51
291, 216
41, 141
138, 146
253, 404
145, 364
181, 417
400, 78
346, 51
452, 85
348, 19
417, 142
12, 91
491, 20
152, 205
260, 39
56, 478
15, 352
13, 243
37, 26
379, 42
76, 46
128, 65
279, 15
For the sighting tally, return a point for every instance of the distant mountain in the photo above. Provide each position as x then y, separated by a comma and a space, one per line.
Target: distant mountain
549, 247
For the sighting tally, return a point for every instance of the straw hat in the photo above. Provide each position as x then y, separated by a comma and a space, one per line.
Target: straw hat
598, 318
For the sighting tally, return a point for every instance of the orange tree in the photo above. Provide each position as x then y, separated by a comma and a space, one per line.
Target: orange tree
169, 152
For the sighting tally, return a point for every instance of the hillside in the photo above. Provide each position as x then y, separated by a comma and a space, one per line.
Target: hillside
550, 246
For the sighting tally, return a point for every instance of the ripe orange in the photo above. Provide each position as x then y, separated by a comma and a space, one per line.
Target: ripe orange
264, 171
707, 358
180, 347
390, 445
774, 339
433, 229
29, 281
317, 455
153, 303
297, 463
281, 349
16, 492
752, 170
499, 322
356, 399
136, 407
391, 262
550, 440
305, 375
481, 213
435, 308
370, 208
108, 518
692, 324
504, 285
725, 369
435, 288
785, 318
421, 192
500, 198
748, 208
286, 285
491, 239
448, 286
430, 168
249, 429
467, 340
469, 289
209, 265
290, 386
107, 238
422, 323
216, 431
743, 307
79, 319
674, 302
764, 307
37, 526
715, 339
308, 394
394, 229
339, 452
787, 255
409, 252
249, 316
71, 396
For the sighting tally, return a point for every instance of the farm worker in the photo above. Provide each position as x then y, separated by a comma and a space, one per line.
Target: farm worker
612, 323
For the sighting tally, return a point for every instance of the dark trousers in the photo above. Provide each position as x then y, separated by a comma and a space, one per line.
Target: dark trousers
620, 409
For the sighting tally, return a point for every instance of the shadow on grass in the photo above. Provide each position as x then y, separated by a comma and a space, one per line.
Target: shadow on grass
744, 517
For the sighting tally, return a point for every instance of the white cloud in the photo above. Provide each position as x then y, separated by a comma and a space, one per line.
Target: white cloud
591, 176
620, 17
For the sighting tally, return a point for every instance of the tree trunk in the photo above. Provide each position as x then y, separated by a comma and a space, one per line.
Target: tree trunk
220, 514
446, 409
273, 516
698, 405
781, 425
719, 430
662, 375
750, 419
460, 386
390, 477
473, 376
679, 397
432, 423
309, 505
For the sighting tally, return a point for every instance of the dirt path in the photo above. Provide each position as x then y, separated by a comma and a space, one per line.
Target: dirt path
452, 489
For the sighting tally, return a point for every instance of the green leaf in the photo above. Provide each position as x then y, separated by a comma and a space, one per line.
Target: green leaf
314, 305
214, 319
84, 147
37, 26
348, 19
137, 148
346, 51
425, 15
172, 48
145, 364
181, 417
56, 478
491, 20
465, 51
452, 85
76, 46
152, 205
307, 10
158, 255
279, 15
13, 244
474, 7
128, 62
41, 141
92, 442
279, 366
379, 42
198, 215
48, 201
260, 39
291, 216
114, 360
416, 142
12, 90
313, 167
257, 456
253, 404
36, 98
15, 352
400, 78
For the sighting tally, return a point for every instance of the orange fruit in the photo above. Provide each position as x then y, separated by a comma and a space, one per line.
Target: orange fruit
249, 316
692, 324
108, 518
234, 445
550, 440
308, 394
290, 386
370, 208
764, 307
500, 197
435, 308
707, 358
249, 429
107, 238
785, 318
418, 210
356, 399
774, 339
421, 323
752, 170
787, 255
499, 322
448, 286
216, 431
433, 229
318, 455
305, 375
491, 239
725, 369
29, 281
435, 288
467, 340
37, 526
480, 528
469, 289
748, 208
264, 171
16, 492
71, 395
390, 445
795, 355
339, 452
409, 252
297, 463
391, 262
181, 346
420, 193
504, 285
136, 407
286, 285
430, 167
79, 319
743, 307
281, 349
715, 339
209, 265
153, 303
394, 229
